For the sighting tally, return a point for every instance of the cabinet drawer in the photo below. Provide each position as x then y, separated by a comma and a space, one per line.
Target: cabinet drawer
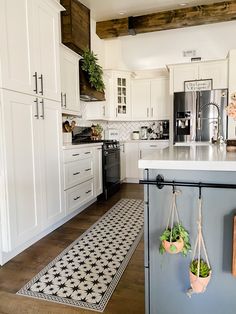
77, 172
154, 145
79, 195
77, 154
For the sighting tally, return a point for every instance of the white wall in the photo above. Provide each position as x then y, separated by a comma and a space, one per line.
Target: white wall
155, 50
97, 44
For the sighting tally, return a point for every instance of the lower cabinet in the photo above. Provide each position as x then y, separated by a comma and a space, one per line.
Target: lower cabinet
98, 172
31, 168
132, 156
122, 162
82, 175
79, 195
139, 150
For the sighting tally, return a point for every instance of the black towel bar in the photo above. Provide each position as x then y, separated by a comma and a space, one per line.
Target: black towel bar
160, 183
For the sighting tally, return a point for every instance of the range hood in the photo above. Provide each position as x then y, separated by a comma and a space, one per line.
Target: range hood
87, 92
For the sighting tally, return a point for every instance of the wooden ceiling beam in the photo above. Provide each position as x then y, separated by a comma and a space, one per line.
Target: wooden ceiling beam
198, 15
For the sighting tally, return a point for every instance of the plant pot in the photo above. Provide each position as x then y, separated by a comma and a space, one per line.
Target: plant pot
198, 284
173, 247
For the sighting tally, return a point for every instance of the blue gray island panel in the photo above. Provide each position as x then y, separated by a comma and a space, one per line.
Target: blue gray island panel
166, 276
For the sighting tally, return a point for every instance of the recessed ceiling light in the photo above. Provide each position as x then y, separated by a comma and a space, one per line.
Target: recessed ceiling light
183, 4
122, 12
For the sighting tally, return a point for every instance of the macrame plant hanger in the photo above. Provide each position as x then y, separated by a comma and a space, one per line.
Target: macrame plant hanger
198, 285
176, 246
173, 212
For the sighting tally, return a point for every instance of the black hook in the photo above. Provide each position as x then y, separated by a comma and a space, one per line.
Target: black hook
173, 187
200, 191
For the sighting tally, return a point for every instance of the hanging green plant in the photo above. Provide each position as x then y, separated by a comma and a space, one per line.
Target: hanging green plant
175, 240
204, 269
89, 64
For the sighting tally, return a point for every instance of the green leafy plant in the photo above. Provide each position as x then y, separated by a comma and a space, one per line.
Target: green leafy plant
178, 232
89, 64
204, 270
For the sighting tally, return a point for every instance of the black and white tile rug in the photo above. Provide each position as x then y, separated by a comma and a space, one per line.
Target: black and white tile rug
86, 273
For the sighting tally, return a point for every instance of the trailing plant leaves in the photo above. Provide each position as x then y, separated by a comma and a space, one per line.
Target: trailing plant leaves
178, 231
94, 70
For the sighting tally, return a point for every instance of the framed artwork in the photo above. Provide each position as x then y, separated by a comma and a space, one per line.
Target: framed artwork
197, 85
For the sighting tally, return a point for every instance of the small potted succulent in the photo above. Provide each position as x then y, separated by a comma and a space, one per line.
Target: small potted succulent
199, 281
175, 240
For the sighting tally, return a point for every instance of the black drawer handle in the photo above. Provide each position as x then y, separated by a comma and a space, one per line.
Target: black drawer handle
76, 198
87, 169
87, 153
88, 191
75, 174
75, 155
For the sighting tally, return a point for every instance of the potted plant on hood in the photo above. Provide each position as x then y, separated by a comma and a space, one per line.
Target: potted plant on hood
175, 238
91, 77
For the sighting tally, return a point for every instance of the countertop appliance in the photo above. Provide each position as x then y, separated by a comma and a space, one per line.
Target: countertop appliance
200, 116
144, 133
112, 134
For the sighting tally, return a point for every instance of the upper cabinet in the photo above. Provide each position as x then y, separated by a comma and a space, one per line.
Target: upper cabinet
70, 100
117, 94
29, 41
150, 99
215, 70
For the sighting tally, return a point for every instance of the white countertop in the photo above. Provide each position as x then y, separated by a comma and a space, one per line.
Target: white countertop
70, 146
196, 157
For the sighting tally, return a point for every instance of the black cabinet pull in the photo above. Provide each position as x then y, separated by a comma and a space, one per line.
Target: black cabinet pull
76, 173
76, 198
43, 113
75, 155
36, 82
87, 169
87, 153
37, 108
41, 79
88, 191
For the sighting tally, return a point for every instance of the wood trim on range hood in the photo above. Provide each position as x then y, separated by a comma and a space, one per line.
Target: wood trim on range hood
192, 16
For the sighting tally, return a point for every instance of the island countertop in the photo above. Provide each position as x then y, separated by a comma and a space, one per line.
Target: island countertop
195, 157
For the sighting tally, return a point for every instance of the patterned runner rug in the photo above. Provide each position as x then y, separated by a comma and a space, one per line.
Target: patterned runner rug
87, 272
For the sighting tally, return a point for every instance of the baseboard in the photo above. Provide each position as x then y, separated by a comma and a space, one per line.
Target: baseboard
6, 256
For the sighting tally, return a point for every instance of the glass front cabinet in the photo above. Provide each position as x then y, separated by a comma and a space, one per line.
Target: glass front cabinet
118, 95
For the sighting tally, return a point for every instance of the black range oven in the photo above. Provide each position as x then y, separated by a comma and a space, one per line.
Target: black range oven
111, 167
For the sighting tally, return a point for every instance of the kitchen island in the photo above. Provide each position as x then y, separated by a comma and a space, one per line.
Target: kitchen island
166, 276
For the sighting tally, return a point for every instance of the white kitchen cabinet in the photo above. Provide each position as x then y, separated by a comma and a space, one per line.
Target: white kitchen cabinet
146, 148
98, 176
215, 70
150, 99
141, 99
132, 156
117, 94
82, 176
122, 162
32, 167
29, 47
160, 99
70, 99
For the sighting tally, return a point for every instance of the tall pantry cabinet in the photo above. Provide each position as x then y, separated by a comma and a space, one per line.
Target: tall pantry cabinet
30, 123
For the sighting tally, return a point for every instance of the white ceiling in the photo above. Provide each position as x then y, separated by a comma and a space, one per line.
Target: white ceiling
109, 9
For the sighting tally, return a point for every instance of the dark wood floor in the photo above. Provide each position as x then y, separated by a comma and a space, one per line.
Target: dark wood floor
128, 298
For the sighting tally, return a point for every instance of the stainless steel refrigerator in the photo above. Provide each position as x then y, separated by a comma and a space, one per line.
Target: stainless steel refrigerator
200, 116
